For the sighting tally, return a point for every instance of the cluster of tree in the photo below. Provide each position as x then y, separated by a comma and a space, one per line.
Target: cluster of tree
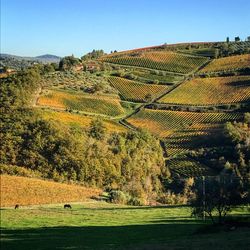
238, 135
237, 39
234, 72
230, 48
68, 62
216, 196
13, 63
131, 162
78, 81
95, 54
233, 156
243, 107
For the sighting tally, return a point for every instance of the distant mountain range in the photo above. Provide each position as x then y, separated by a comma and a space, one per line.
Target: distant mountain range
43, 58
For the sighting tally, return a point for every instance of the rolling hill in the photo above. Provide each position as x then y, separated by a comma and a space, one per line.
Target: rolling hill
30, 191
183, 94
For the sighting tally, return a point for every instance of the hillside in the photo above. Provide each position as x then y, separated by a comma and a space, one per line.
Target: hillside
19, 62
132, 120
29, 191
47, 58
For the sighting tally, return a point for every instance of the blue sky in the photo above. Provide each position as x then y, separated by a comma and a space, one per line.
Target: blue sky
64, 27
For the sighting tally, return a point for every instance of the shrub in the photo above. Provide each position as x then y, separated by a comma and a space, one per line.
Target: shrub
118, 197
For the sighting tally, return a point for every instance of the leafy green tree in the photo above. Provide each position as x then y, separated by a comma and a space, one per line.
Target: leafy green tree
237, 39
215, 197
68, 62
95, 54
232, 133
247, 118
97, 129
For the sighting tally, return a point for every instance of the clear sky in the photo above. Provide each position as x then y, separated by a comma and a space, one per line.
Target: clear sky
64, 27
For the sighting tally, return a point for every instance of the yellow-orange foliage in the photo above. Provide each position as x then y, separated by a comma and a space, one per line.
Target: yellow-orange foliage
228, 63
80, 120
98, 104
53, 99
164, 122
215, 90
30, 191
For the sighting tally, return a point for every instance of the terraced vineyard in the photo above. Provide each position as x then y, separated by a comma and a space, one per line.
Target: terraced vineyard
208, 52
161, 60
182, 141
96, 104
187, 167
155, 75
207, 91
82, 121
163, 123
228, 63
135, 91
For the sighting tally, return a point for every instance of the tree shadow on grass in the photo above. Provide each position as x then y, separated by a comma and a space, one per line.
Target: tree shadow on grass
136, 207
174, 235
92, 237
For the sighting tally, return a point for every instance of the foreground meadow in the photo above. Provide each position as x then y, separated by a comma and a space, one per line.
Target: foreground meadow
99, 225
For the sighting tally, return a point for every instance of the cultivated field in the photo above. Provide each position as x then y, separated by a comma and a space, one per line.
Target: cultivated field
160, 60
208, 52
78, 120
228, 63
208, 91
97, 104
30, 191
163, 123
187, 167
184, 140
152, 76
135, 91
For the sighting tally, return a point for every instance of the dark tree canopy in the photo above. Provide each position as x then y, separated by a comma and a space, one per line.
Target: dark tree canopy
95, 54
68, 62
215, 196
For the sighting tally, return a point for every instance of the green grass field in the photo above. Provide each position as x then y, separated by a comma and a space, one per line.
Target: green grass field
99, 225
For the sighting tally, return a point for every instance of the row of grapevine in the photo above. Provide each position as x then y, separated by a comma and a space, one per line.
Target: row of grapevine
208, 52
183, 131
243, 45
164, 122
160, 60
97, 104
152, 76
228, 63
135, 91
191, 139
207, 91
187, 167
77, 120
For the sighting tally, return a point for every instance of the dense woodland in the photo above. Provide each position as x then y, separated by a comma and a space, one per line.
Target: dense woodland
132, 162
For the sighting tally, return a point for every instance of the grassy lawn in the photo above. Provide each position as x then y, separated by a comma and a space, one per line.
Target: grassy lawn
98, 225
